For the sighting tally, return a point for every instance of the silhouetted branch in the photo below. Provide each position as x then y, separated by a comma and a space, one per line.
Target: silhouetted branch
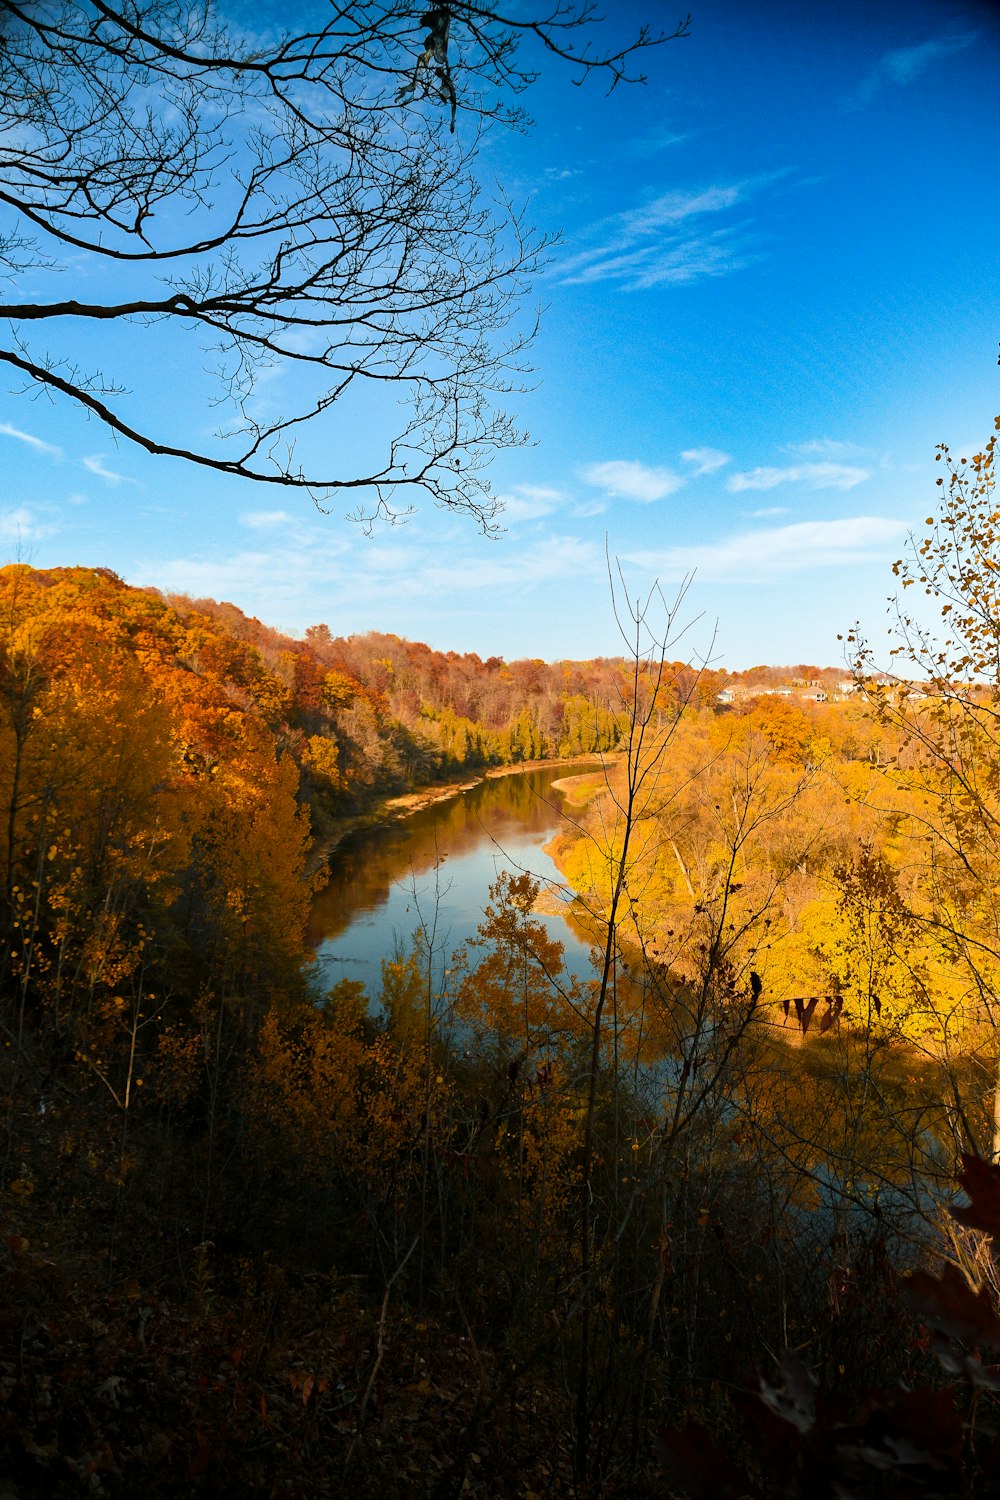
292, 204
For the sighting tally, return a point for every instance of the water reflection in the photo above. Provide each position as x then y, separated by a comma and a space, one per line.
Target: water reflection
437, 866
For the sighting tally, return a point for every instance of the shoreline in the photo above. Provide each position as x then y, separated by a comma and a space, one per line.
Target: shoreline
395, 809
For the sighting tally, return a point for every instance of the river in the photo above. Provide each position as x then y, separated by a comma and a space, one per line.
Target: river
437, 866
387, 880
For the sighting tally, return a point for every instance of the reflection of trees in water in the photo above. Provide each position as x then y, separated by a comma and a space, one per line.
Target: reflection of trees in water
524, 801
365, 867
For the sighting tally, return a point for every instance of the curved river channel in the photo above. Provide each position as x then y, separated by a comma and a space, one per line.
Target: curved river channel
438, 864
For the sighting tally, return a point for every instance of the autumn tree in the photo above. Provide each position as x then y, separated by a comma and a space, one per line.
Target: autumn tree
153, 875
515, 993
942, 699
301, 199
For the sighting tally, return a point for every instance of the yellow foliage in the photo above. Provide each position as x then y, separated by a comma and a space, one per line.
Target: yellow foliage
150, 813
322, 756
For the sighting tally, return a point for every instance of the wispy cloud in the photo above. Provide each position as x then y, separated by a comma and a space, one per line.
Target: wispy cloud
672, 237
674, 207
627, 480
351, 584
907, 63
819, 476
266, 520
659, 140
585, 510
706, 460
271, 583
528, 502
32, 442
759, 556
825, 447
549, 560
903, 64
768, 511
96, 465
398, 570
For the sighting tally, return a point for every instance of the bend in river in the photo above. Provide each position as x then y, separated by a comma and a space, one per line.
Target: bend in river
437, 865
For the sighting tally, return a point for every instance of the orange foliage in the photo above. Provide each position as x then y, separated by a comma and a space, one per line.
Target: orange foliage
152, 822
785, 726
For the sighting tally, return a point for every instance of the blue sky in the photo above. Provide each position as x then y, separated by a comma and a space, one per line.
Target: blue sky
776, 291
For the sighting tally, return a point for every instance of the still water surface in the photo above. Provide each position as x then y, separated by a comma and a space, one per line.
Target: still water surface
438, 864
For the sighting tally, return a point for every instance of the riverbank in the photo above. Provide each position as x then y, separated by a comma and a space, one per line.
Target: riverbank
393, 809
579, 790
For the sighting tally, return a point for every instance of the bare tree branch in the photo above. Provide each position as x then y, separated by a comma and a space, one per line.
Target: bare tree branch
283, 203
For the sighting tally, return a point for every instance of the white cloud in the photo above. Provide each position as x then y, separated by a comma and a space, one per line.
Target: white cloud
265, 520
546, 561
706, 460
669, 238
30, 440
768, 511
539, 492
645, 266
659, 140
906, 63
819, 476
825, 447
527, 502
21, 525
903, 64
401, 570
95, 463
676, 206
587, 509
274, 584
628, 480
355, 584
758, 556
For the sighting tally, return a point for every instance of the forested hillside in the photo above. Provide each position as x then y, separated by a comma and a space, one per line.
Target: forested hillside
491, 1229
167, 768
372, 714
